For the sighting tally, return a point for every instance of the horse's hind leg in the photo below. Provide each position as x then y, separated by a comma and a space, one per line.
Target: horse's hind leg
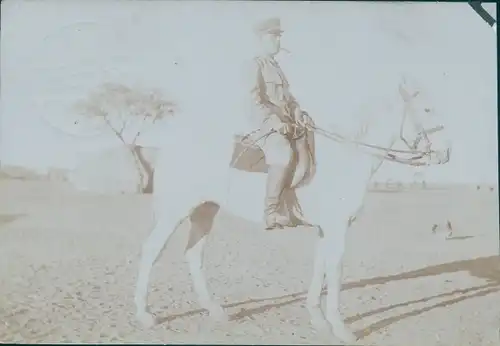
151, 249
202, 220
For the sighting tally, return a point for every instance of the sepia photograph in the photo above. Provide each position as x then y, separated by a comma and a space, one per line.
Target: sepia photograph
249, 172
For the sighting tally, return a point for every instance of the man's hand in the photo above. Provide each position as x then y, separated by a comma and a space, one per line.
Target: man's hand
286, 128
292, 130
305, 120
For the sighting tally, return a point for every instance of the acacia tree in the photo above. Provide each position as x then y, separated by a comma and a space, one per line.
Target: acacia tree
126, 112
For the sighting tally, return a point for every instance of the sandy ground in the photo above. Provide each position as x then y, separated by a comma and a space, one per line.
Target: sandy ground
68, 264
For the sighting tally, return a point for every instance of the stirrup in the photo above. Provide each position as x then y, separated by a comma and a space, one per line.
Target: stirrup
276, 224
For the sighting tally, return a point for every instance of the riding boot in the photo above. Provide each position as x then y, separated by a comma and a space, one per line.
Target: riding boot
276, 179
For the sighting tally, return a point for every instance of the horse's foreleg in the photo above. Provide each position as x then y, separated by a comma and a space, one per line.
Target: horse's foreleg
333, 266
201, 224
314, 293
151, 249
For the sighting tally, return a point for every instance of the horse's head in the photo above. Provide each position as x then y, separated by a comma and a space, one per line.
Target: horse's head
422, 125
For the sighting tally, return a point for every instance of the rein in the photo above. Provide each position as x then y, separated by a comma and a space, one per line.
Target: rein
388, 152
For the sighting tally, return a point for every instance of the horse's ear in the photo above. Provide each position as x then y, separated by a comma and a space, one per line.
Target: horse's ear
404, 93
408, 88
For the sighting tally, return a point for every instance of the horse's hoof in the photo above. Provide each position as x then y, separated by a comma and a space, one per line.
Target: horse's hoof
345, 335
320, 324
146, 319
341, 331
218, 314
318, 320
348, 337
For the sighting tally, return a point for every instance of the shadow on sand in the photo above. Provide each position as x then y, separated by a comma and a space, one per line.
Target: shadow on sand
8, 218
485, 268
463, 237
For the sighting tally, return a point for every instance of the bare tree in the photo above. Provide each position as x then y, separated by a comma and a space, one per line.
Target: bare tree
126, 112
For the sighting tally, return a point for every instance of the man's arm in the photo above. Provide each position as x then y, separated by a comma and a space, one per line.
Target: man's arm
261, 104
294, 107
300, 116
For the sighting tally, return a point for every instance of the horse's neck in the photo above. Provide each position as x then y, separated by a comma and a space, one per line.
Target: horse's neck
373, 124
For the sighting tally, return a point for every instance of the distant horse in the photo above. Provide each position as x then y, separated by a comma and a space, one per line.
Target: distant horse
193, 181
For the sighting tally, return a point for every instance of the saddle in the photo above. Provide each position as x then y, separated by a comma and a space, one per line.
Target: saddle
249, 157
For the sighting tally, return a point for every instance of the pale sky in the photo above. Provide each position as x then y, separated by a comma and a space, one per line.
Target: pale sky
54, 52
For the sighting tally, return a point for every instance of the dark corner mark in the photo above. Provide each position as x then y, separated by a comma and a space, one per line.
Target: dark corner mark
478, 7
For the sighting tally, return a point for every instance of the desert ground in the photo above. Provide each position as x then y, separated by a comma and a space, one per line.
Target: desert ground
68, 264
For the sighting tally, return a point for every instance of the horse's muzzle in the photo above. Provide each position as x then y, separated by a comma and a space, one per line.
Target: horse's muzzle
439, 157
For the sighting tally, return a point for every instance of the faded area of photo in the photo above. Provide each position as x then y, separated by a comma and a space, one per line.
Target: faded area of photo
249, 172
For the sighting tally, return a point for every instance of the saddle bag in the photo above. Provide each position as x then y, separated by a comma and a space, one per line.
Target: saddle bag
247, 156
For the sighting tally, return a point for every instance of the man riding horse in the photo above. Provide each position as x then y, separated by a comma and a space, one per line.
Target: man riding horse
276, 113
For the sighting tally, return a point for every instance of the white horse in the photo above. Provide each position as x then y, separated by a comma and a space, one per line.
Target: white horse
193, 181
